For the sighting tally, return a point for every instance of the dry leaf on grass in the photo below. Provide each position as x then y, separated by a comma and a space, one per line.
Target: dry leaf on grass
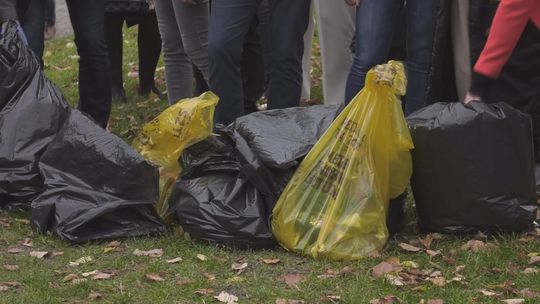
205, 292
82, 260
239, 267
94, 295
530, 270
57, 253
224, 297
154, 277
489, 293
332, 298
334, 273
271, 261
433, 253
209, 276
514, 301
438, 281
289, 301
184, 281
5, 286
14, 250
476, 246
435, 301
384, 268
11, 267
154, 253
426, 241
390, 299
529, 294
39, 254
409, 247
27, 242
175, 260
292, 280
535, 260
374, 254
202, 257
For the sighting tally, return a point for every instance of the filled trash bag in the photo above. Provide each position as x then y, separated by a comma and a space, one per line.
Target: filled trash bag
215, 201
164, 138
281, 137
97, 186
336, 203
32, 110
473, 168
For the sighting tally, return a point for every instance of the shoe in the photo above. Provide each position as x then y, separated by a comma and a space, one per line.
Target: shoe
118, 94
396, 214
50, 32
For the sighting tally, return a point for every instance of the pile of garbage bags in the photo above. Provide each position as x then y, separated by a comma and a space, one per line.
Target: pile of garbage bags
473, 168
81, 182
231, 181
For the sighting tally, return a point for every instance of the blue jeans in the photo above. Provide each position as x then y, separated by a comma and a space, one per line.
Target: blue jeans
375, 25
230, 23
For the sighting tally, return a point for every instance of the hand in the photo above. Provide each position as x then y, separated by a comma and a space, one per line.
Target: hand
471, 97
354, 2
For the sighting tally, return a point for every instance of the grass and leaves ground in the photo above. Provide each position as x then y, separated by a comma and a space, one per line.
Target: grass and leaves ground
415, 268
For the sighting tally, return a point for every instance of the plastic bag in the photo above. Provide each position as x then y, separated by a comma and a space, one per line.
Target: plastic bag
32, 110
473, 168
97, 186
164, 138
336, 203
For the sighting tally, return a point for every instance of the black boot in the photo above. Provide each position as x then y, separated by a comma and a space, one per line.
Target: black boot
396, 214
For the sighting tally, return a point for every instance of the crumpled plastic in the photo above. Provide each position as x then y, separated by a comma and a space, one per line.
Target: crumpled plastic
336, 203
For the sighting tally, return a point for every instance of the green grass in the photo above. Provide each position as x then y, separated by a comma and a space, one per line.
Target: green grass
42, 280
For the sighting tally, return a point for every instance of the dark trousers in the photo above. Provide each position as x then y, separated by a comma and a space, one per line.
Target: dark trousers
88, 20
148, 43
50, 14
33, 24
231, 24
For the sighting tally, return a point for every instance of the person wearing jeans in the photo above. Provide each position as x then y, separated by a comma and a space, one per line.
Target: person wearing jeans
183, 25
230, 22
375, 25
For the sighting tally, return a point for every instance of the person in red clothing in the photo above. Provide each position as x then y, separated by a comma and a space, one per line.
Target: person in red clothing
508, 69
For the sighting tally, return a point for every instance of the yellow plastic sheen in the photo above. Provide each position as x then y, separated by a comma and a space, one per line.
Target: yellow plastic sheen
336, 203
163, 139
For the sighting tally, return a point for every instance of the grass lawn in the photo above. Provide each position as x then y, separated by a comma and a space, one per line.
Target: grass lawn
501, 267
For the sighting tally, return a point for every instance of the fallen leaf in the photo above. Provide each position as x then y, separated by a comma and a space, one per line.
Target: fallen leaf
175, 260
409, 248
205, 292
409, 264
529, 294
390, 299
449, 260
394, 280
382, 268
202, 257
154, 277
438, 281
535, 260
27, 242
489, 293
94, 295
476, 246
103, 275
436, 301
57, 253
374, 254
292, 280
39, 254
209, 276
239, 267
154, 253
435, 274
530, 270
432, 253
271, 261
460, 268
53, 285
288, 301
11, 267
184, 281
87, 274
82, 260
224, 297
70, 277
235, 279
514, 301
332, 298
5, 286
426, 241
22, 221
14, 250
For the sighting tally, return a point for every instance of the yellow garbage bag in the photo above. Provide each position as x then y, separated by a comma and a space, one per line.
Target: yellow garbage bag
336, 203
163, 139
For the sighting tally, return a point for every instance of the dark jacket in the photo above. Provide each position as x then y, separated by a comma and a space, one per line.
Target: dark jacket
12, 9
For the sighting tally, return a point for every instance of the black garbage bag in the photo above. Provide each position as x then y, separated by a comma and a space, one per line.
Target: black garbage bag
97, 186
473, 168
214, 201
281, 137
231, 181
32, 110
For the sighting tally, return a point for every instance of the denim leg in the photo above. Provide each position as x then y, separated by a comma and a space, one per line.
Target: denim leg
178, 69
33, 24
229, 23
88, 20
420, 32
375, 24
289, 20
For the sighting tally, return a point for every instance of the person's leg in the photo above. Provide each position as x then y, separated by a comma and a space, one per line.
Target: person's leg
336, 24
461, 45
420, 31
375, 24
252, 68
263, 15
178, 72
88, 20
113, 37
306, 57
149, 45
288, 23
33, 24
229, 23
201, 85
192, 22
50, 14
